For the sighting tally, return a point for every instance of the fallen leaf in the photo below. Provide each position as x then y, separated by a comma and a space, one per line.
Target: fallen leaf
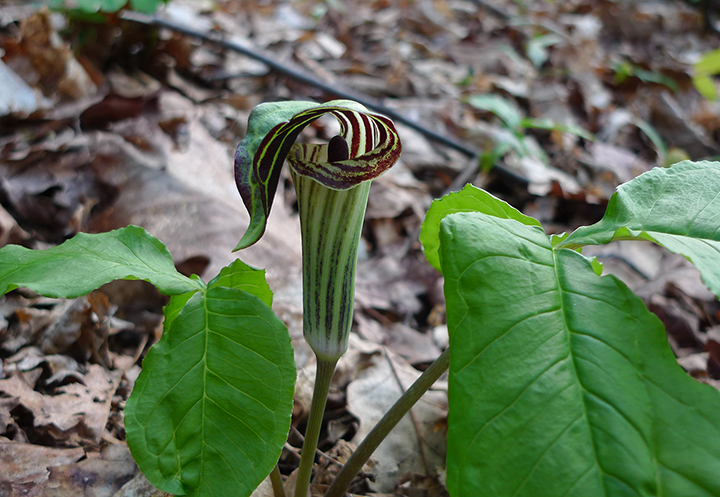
413, 444
77, 413
415, 347
25, 465
17, 96
99, 475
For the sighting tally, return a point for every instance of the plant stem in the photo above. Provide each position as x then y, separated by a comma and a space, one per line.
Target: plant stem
323, 377
277, 483
386, 424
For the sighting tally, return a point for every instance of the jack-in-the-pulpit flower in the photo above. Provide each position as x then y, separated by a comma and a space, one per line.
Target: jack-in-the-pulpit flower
332, 182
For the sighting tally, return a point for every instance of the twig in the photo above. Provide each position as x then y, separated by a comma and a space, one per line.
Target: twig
464, 176
336, 89
317, 451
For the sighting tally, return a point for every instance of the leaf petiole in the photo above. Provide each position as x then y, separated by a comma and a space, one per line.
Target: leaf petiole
323, 377
403, 405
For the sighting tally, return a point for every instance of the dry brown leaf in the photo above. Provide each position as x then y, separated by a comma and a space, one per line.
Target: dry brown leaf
10, 231
413, 444
43, 59
99, 475
77, 413
24, 466
415, 347
139, 487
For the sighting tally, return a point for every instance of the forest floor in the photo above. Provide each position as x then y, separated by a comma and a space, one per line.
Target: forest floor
107, 121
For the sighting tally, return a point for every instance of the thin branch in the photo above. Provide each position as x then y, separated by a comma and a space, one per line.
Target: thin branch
317, 451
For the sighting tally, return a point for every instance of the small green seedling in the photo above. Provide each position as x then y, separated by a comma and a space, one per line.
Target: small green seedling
537, 48
512, 136
703, 72
625, 70
107, 6
561, 382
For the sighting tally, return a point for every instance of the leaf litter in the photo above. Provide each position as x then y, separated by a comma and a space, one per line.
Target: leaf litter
118, 123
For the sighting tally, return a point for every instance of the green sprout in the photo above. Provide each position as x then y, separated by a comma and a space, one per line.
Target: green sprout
512, 136
703, 72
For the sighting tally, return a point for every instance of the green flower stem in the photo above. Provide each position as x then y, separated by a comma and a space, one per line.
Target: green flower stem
331, 221
277, 483
323, 377
386, 424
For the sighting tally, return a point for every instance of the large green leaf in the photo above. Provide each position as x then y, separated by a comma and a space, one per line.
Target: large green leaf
211, 410
469, 199
676, 207
86, 262
561, 382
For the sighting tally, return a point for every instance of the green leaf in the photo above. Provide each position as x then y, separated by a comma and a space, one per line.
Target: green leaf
551, 125
173, 308
211, 409
374, 146
561, 382
655, 138
537, 48
109, 6
469, 199
499, 106
146, 6
623, 70
705, 86
706, 67
507, 139
676, 207
243, 277
709, 63
86, 262
656, 77
91, 6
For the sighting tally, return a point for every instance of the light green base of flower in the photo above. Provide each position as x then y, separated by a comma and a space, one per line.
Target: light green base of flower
331, 221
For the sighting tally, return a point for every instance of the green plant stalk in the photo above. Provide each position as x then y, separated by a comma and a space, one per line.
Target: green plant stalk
323, 378
391, 418
277, 483
330, 221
